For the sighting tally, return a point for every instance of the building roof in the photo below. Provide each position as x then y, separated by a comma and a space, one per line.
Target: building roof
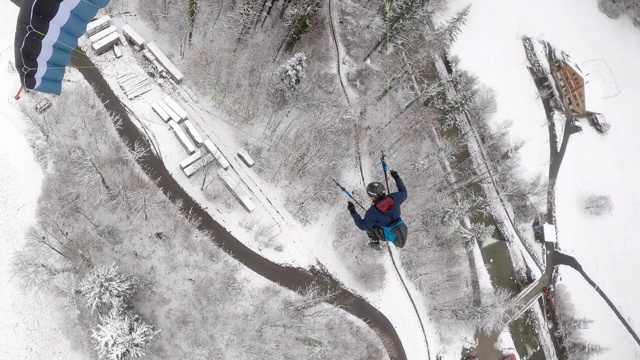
592, 89
593, 96
549, 233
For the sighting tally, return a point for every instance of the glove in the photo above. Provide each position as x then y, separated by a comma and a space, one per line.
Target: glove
394, 174
351, 207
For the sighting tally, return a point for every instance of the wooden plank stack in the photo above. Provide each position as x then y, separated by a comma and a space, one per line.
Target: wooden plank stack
134, 85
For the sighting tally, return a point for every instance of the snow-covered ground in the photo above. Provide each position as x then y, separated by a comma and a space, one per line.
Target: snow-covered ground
609, 50
28, 321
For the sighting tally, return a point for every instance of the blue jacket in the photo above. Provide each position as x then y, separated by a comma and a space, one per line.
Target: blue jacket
384, 210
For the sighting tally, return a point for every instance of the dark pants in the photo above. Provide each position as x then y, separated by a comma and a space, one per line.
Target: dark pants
375, 234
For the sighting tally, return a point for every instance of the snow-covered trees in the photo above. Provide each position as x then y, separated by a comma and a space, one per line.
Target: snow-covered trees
453, 104
105, 289
476, 232
293, 72
597, 204
120, 332
569, 327
299, 20
615, 8
444, 35
404, 21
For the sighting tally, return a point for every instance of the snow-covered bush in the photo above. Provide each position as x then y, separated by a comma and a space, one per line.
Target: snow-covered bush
292, 73
105, 289
610, 9
598, 204
615, 8
122, 334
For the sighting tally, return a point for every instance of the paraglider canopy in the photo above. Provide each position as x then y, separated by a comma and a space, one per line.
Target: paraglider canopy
47, 33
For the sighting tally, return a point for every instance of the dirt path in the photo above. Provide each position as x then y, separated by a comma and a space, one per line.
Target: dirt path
334, 39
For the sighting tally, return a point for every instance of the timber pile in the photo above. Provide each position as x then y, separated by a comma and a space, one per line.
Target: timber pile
134, 85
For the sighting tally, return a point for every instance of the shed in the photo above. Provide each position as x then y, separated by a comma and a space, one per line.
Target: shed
175, 107
160, 111
117, 52
549, 233
197, 165
191, 159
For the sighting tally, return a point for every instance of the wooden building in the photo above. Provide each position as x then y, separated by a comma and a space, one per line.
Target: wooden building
582, 94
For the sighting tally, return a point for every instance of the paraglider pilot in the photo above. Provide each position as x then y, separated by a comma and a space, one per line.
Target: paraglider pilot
384, 212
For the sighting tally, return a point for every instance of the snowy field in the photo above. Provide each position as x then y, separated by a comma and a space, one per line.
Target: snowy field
28, 321
598, 164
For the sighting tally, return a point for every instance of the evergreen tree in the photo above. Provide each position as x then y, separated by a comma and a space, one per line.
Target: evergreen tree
299, 21
443, 36
292, 73
105, 289
122, 334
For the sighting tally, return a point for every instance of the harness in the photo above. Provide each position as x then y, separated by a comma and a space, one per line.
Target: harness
395, 231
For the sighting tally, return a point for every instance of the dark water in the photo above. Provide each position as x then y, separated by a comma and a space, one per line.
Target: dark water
499, 265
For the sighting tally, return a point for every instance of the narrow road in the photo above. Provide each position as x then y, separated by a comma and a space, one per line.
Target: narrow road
295, 279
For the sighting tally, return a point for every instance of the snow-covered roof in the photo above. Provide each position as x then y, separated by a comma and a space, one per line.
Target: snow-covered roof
593, 100
592, 89
568, 60
549, 232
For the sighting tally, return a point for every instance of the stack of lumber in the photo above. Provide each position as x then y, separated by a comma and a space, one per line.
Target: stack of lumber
134, 85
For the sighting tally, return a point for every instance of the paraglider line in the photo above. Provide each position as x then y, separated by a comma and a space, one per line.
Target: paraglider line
424, 333
58, 42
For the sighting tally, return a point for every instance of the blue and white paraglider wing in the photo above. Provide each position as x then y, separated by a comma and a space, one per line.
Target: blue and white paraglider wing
47, 33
